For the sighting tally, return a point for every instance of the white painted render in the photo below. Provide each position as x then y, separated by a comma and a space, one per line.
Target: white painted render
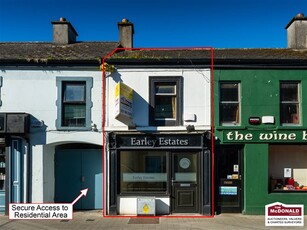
35, 92
196, 97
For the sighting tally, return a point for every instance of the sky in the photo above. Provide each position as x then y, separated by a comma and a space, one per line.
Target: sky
157, 23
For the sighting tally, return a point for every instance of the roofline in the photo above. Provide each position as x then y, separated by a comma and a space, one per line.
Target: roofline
222, 63
42, 61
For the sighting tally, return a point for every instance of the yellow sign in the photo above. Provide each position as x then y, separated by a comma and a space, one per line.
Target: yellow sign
146, 208
123, 102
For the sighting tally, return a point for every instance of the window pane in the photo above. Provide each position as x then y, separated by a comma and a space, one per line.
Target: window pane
229, 113
289, 91
165, 101
165, 107
74, 115
229, 103
74, 92
289, 113
185, 167
289, 103
229, 92
143, 171
165, 89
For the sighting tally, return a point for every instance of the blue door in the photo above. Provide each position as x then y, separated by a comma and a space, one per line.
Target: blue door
16, 172
77, 169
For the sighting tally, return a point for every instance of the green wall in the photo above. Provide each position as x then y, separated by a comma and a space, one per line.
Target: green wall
260, 97
260, 92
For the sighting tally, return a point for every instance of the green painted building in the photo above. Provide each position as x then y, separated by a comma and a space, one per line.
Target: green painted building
260, 125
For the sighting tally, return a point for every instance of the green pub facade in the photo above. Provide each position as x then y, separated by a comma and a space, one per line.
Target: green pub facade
261, 125
263, 143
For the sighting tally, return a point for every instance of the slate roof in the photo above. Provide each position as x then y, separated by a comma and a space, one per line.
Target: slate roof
43, 52
92, 52
235, 56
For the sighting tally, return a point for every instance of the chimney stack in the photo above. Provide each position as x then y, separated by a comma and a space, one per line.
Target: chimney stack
63, 32
126, 32
297, 32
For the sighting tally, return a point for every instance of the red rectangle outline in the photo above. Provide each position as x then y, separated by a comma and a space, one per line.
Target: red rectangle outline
104, 133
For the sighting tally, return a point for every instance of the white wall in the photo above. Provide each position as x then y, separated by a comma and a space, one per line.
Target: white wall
196, 96
35, 92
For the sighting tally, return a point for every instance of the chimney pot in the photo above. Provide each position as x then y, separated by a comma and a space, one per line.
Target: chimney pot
125, 20
62, 19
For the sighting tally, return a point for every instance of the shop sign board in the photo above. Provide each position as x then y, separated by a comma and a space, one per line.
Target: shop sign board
123, 103
238, 136
279, 214
159, 141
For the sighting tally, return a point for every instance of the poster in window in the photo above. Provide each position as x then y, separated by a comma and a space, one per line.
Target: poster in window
287, 172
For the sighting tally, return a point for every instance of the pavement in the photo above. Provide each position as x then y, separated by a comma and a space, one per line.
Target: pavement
95, 220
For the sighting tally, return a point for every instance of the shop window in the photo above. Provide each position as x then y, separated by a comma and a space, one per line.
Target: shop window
289, 103
287, 168
229, 103
165, 98
143, 171
74, 103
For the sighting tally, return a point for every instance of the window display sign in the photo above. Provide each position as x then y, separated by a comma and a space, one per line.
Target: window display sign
287, 172
279, 214
144, 177
228, 190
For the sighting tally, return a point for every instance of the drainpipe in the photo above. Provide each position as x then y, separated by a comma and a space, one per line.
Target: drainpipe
212, 132
104, 118
103, 123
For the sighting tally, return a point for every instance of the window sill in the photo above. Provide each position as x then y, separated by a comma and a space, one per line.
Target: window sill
223, 127
291, 127
135, 194
289, 191
73, 128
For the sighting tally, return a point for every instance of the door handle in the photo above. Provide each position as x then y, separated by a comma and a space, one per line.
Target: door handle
82, 178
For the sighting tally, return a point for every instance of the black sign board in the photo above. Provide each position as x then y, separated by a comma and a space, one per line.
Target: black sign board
159, 141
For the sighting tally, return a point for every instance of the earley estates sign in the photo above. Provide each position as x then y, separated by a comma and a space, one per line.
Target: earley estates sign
265, 136
159, 141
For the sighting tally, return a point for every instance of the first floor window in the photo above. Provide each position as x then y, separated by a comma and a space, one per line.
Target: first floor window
289, 103
229, 103
74, 103
287, 168
143, 171
165, 101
